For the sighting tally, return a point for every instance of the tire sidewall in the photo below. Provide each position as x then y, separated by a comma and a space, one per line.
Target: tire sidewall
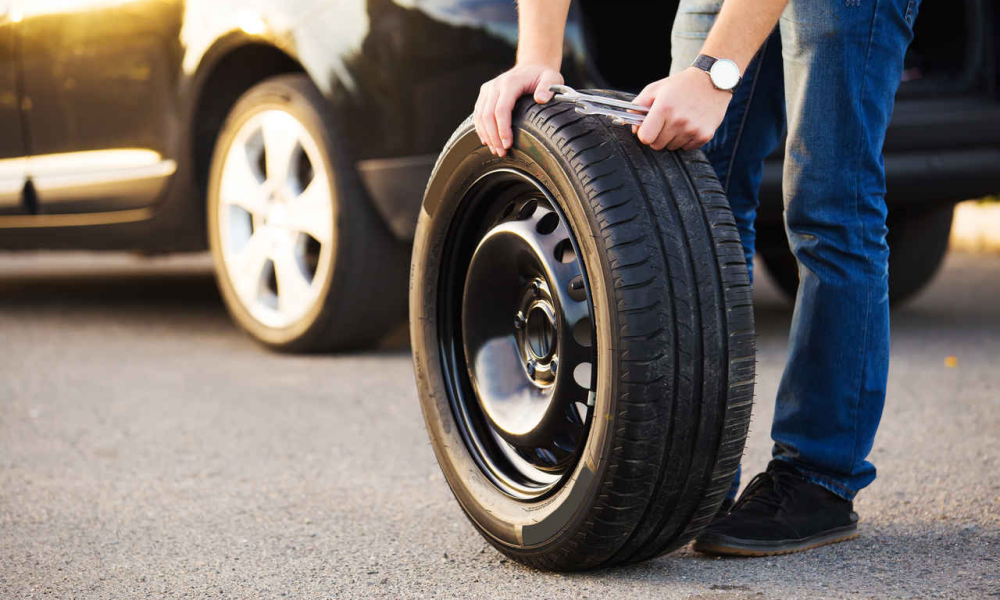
521, 527
274, 95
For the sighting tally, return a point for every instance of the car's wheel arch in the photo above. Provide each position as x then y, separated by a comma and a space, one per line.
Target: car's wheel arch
232, 65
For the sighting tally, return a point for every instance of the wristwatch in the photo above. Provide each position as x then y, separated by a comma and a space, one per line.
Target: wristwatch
724, 73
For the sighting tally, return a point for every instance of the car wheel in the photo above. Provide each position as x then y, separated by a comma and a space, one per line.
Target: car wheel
918, 241
582, 334
302, 260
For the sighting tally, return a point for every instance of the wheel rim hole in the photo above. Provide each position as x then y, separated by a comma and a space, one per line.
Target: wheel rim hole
256, 156
507, 212
564, 443
311, 248
527, 209
546, 455
575, 289
582, 332
270, 277
565, 252
581, 375
547, 224
303, 170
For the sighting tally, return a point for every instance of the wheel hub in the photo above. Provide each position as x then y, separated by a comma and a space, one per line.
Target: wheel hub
536, 330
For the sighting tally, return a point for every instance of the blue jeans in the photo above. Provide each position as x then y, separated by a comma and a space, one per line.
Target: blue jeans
828, 74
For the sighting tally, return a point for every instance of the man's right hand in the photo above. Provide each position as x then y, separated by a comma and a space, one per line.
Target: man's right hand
497, 97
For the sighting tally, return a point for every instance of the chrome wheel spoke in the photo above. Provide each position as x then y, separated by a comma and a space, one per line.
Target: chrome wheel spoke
311, 211
294, 290
281, 137
239, 185
248, 266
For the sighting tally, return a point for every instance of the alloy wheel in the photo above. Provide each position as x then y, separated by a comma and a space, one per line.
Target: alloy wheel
275, 216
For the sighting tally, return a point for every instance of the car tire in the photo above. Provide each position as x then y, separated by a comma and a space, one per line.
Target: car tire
302, 260
634, 258
918, 242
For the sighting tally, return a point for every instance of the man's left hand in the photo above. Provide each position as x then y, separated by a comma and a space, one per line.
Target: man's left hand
684, 111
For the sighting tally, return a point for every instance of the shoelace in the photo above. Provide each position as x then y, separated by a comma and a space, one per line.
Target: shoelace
765, 488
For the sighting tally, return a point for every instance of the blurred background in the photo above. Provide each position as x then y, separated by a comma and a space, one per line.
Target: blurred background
206, 208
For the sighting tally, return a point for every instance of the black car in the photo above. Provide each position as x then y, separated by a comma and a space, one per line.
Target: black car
294, 137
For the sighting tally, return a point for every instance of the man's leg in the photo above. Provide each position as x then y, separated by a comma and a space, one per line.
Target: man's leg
753, 125
842, 64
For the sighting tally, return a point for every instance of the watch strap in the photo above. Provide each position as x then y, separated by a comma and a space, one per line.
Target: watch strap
705, 62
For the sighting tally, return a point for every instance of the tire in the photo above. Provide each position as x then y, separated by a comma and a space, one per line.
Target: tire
918, 241
302, 260
655, 349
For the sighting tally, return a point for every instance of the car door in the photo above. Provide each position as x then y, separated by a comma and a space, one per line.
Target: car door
12, 150
100, 101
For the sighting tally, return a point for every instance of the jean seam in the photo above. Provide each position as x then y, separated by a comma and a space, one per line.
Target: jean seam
746, 111
864, 234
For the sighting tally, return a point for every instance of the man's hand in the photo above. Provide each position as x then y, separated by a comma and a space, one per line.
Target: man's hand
497, 98
685, 109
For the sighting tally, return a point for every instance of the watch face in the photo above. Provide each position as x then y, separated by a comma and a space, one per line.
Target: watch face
725, 74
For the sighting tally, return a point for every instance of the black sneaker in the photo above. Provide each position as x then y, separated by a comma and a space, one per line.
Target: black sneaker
727, 505
779, 513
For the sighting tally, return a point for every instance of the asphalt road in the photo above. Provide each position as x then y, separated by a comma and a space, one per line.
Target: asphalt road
148, 449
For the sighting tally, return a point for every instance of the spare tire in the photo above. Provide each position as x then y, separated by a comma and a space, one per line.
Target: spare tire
583, 340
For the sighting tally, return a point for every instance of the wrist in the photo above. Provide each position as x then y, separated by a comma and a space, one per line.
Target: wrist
549, 61
704, 81
724, 74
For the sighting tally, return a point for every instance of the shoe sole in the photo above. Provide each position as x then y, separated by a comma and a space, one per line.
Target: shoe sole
725, 545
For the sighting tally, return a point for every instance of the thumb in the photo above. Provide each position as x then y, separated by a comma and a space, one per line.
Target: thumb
542, 92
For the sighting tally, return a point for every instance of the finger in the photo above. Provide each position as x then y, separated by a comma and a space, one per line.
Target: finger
547, 80
489, 120
661, 141
477, 114
680, 141
697, 142
651, 126
680, 132
504, 108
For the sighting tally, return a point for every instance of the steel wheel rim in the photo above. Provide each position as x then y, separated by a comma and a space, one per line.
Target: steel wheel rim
517, 334
275, 215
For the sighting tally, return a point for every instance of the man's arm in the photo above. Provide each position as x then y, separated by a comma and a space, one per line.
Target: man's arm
686, 109
541, 24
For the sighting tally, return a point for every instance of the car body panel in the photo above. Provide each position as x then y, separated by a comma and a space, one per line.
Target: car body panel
399, 76
12, 148
97, 79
